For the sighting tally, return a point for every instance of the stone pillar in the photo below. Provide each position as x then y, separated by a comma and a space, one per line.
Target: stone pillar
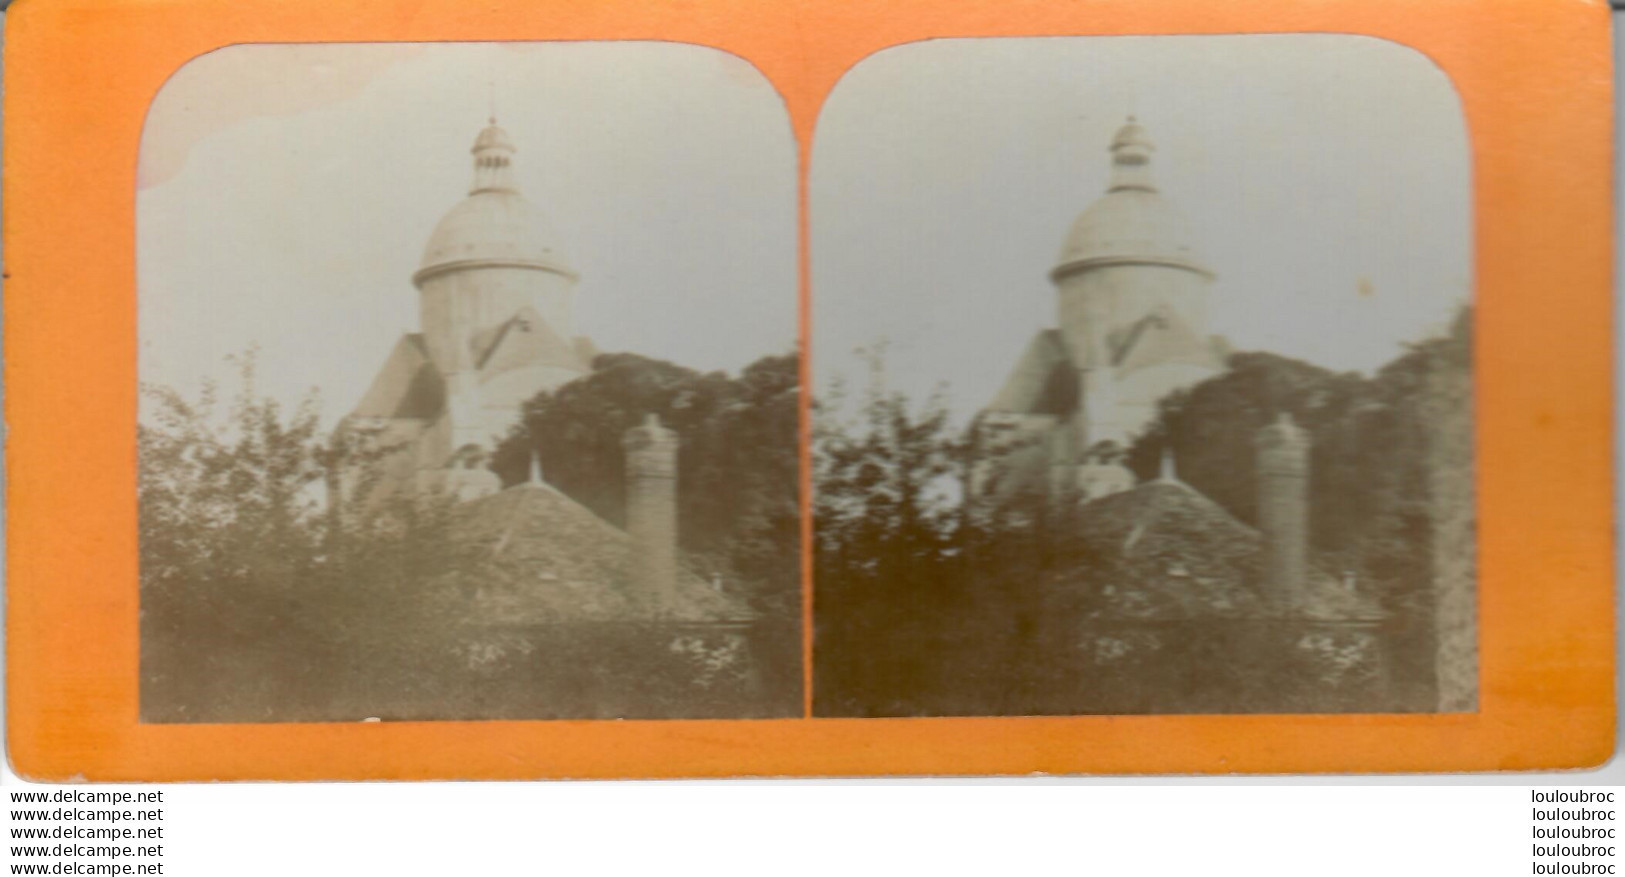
1283, 510
651, 504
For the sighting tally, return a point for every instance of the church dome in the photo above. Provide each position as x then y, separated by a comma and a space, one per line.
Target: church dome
492, 228
1132, 223
494, 225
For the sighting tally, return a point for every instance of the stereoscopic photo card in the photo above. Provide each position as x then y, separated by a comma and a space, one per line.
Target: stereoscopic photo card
459, 443
1213, 449
734, 390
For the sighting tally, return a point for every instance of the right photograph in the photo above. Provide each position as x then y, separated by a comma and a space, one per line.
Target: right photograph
1143, 380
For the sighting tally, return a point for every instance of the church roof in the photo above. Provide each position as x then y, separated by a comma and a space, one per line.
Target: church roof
1159, 337
492, 228
1129, 226
548, 559
1164, 551
494, 225
1132, 222
1045, 379
408, 387
524, 340
1037, 385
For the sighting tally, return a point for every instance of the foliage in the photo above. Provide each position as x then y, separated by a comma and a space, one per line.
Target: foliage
257, 601
933, 598
922, 590
261, 602
739, 515
883, 562
1372, 437
229, 541
1378, 441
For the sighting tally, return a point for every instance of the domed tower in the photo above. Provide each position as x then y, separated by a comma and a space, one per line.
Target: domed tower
1133, 298
496, 304
496, 301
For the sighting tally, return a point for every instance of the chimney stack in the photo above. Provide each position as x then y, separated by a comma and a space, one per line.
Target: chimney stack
1283, 509
651, 504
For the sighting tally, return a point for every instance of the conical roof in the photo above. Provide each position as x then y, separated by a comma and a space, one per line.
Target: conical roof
1165, 552
548, 559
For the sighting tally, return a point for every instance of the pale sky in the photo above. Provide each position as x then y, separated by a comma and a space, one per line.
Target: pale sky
287, 192
1311, 167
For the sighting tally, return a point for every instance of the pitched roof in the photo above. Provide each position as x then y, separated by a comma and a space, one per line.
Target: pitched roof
1160, 336
1044, 380
408, 386
548, 559
1038, 384
525, 339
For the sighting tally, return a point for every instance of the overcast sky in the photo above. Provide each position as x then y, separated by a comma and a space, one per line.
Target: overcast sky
1326, 179
287, 192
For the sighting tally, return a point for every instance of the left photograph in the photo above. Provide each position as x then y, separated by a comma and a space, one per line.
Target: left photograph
469, 386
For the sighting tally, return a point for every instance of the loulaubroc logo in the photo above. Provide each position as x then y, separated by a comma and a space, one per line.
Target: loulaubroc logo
1582, 814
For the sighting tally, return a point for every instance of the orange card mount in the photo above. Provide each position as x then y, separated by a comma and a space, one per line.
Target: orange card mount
1309, 423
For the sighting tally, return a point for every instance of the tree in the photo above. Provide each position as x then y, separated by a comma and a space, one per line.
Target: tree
257, 603
739, 512
883, 517
1379, 445
935, 598
1370, 455
230, 540
928, 593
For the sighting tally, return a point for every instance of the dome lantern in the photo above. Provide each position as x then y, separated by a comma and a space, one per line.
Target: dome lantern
1131, 159
493, 160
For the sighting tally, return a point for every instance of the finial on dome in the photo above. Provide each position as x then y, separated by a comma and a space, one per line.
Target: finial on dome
536, 468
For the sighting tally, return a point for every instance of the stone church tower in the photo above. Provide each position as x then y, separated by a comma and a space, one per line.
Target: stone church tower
496, 310
1132, 314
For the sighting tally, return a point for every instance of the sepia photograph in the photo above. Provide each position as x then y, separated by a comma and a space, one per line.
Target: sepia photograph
1143, 380
469, 386
433, 428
